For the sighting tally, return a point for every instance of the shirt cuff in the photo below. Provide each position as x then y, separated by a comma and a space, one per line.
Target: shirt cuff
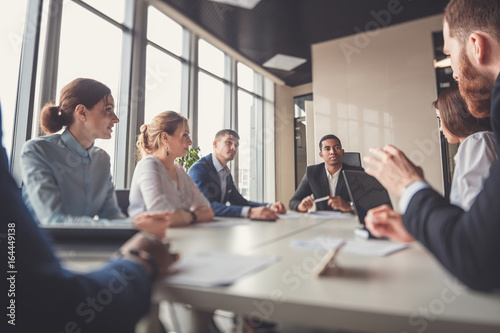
244, 211
409, 192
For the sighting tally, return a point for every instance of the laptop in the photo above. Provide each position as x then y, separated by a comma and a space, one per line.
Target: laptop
88, 241
366, 193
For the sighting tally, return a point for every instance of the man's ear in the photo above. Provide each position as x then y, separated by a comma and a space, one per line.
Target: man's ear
479, 47
321, 154
80, 111
214, 144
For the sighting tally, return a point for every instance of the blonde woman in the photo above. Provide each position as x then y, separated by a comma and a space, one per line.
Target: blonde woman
160, 184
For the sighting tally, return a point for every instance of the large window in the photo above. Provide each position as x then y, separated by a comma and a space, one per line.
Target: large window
212, 94
93, 52
210, 111
12, 19
154, 66
163, 88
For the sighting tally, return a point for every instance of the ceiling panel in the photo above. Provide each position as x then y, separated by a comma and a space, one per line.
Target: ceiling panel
291, 26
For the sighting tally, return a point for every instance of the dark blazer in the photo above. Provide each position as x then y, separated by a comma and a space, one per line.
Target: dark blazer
466, 243
48, 298
315, 182
206, 178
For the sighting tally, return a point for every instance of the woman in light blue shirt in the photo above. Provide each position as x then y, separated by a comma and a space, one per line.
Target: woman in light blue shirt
66, 178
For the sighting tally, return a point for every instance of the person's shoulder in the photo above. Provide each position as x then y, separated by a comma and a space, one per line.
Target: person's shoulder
484, 136
315, 167
202, 163
42, 142
149, 162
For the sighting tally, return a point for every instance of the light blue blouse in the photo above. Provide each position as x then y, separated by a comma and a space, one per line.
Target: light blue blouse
64, 183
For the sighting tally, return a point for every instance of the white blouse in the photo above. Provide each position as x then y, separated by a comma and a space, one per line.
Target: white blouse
472, 166
153, 189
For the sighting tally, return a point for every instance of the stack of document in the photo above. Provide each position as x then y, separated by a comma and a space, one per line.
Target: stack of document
376, 248
210, 268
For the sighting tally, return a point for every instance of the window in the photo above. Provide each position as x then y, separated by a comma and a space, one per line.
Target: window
112, 8
211, 58
248, 155
210, 111
93, 52
163, 83
164, 32
12, 22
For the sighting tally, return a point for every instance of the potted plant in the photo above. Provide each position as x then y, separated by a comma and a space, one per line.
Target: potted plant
190, 158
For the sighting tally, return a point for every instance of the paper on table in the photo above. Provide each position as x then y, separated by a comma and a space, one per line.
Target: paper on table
326, 214
290, 216
375, 248
210, 268
220, 224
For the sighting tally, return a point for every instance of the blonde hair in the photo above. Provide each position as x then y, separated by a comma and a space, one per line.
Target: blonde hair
149, 140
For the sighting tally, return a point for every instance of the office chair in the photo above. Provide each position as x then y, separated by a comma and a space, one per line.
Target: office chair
352, 158
122, 197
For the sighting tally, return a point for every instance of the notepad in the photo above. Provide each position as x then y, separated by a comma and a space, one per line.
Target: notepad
374, 248
328, 214
211, 268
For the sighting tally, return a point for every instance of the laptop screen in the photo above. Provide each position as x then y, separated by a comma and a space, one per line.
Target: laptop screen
365, 192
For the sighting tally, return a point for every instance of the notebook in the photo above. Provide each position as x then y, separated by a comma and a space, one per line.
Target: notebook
366, 193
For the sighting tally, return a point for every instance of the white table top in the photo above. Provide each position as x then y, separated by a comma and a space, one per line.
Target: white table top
407, 291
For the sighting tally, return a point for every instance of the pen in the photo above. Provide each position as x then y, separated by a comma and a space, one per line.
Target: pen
321, 199
327, 259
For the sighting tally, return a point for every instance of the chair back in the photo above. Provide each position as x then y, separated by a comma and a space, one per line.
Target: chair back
122, 197
352, 158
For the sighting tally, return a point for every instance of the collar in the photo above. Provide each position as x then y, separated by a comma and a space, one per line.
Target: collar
69, 140
218, 166
335, 175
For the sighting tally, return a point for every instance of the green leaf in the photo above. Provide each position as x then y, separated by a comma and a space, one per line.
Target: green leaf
190, 158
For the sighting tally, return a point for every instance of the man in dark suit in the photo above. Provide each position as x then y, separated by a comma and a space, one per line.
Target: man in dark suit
325, 180
44, 297
214, 180
466, 243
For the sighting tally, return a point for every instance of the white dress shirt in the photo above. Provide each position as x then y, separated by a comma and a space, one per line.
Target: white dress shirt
472, 166
333, 180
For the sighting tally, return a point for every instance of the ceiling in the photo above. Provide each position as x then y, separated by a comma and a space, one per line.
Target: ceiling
290, 26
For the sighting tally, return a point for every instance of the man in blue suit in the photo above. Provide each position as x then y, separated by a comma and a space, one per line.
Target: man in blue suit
41, 296
214, 180
466, 243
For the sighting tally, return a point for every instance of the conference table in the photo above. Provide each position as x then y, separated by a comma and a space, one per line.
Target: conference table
406, 291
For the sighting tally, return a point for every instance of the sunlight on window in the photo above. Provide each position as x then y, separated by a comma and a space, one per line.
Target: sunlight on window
12, 20
246, 130
93, 52
211, 58
245, 77
163, 83
210, 111
112, 8
163, 31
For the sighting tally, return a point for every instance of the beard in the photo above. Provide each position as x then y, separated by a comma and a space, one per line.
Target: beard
475, 88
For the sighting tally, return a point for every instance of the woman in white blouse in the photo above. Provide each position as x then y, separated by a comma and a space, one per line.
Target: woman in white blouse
160, 184
477, 150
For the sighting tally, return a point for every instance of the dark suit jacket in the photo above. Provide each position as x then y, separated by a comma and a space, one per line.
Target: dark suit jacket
205, 176
466, 243
48, 298
315, 182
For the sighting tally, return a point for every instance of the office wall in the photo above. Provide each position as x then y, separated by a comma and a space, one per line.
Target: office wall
284, 144
377, 89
